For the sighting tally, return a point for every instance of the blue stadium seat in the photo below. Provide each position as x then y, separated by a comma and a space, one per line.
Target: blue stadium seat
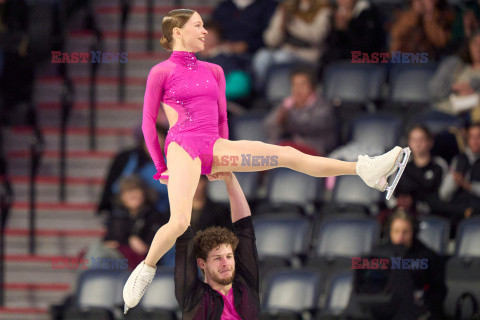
217, 191
437, 121
338, 295
159, 301
290, 188
350, 192
468, 238
409, 84
282, 235
434, 233
98, 294
249, 127
346, 236
291, 291
345, 82
382, 130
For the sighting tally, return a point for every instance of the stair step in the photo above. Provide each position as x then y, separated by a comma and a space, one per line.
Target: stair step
105, 92
48, 219
57, 206
86, 167
82, 42
85, 105
47, 189
134, 68
81, 118
24, 313
54, 244
78, 139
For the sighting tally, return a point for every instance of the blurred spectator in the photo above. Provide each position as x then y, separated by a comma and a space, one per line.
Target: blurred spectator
405, 201
243, 23
456, 84
356, 26
296, 32
461, 187
423, 174
238, 81
17, 74
424, 27
429, 284
132, 225
304, 117
467, 16
135, 161
206, 213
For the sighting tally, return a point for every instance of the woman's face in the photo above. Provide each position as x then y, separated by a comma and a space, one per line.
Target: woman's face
301, 89
474, 47
191, 37
419, 142
401, 232
133, 199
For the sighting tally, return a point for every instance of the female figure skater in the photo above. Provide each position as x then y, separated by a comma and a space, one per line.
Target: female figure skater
192, 94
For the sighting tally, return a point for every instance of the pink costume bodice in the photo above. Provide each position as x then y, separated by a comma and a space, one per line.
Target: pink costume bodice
196, 91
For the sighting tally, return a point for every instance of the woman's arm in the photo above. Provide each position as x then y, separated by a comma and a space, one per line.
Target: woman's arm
222, 102
151, 104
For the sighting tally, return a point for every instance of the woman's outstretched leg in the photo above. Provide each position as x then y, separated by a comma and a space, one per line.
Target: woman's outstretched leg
249, 156
245, 155
184, 174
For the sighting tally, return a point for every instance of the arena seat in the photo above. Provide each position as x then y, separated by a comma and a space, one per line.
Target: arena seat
434, 233
290, 293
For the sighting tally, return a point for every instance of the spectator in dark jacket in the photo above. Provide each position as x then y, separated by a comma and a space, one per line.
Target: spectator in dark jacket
134, 161
356, 26
131, 226
428, 284
243, 23
424, 173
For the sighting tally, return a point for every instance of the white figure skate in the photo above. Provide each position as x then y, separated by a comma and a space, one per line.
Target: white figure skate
137, 284
375, 171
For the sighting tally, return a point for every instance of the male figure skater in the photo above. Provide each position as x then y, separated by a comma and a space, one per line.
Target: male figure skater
228, 261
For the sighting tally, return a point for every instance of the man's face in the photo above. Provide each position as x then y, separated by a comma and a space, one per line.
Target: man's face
474, 139
401, 232
220, 265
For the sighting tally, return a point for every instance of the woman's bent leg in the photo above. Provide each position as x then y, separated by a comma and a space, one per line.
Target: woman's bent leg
184, 174
247, 156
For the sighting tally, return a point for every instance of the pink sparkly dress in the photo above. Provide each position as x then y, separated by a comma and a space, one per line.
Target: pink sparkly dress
196, 91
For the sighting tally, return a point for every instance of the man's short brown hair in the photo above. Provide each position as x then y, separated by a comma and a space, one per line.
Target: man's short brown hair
210, 238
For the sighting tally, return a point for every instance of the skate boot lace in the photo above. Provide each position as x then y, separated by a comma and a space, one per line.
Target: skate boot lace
144, 280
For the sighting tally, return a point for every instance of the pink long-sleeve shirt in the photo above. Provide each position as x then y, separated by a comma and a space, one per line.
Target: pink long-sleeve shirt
196, 91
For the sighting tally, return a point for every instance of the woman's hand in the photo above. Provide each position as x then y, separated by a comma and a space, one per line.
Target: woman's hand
137, 245
462, 88
164, 181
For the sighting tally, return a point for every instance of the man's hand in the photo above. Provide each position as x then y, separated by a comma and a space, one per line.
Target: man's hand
227, 176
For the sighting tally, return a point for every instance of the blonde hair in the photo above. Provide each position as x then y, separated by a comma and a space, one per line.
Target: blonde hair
174, 19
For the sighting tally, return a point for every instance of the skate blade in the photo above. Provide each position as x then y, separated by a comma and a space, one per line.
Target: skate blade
390, 189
